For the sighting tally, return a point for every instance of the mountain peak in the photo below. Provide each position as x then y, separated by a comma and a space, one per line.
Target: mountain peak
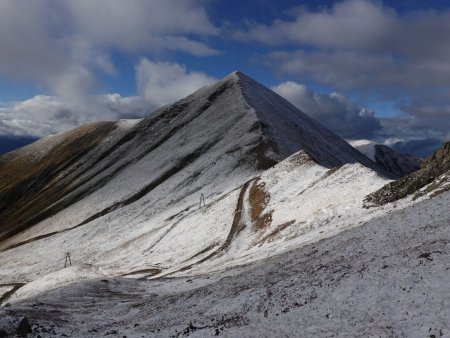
220, 134
241, 78
235, 74
284, 128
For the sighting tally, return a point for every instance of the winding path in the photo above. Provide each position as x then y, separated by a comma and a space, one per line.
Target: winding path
236, 226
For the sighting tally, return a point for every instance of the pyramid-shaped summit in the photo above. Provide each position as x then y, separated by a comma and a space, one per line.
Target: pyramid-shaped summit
254, 123
215, 137
290, 130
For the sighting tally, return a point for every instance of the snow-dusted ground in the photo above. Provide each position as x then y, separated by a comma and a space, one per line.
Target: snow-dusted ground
211, 142
139, 220
306, 201
386, 278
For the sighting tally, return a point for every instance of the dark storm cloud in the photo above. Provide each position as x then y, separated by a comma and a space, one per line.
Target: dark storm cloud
367, 46
333, 110
421, 148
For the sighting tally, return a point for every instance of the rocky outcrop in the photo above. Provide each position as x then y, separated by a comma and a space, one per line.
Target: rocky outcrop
433, 178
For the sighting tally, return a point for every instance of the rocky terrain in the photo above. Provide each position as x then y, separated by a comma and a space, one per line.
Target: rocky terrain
229, 212
432, 178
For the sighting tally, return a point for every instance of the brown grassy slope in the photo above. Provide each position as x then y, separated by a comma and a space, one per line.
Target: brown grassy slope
259, 199
29, 177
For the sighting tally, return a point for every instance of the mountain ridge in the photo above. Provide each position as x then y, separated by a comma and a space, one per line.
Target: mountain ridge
237, 126
392, 161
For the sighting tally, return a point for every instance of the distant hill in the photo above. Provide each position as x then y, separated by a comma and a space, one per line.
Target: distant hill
392, 161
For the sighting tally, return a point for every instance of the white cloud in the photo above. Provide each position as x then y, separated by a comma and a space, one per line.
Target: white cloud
348, 24
67, 42
137, 25
334, 110
62, 47
369, 47
158, 83
360, 25
164, 82
45, 115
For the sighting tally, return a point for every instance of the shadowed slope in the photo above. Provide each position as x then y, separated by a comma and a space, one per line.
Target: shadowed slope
26, 173
392, 161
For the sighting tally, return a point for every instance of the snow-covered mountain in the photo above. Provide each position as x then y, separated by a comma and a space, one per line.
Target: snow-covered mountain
204, 143
392, 161
104, 188
230, 175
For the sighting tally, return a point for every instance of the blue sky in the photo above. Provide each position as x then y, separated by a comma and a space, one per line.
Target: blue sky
363, 68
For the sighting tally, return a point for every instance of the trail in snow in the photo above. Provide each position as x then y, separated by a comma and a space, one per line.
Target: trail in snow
8, 294
149, 273
236, 226
34, 239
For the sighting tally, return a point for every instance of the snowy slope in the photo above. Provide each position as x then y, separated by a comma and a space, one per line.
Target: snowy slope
127, 205
37, 180
392, 161
306, 202
386, 278
210, 140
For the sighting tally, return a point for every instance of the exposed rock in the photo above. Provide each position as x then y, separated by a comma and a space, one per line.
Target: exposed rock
434, 174
24, 327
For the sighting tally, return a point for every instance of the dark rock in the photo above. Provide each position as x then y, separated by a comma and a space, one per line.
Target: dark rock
24, 327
